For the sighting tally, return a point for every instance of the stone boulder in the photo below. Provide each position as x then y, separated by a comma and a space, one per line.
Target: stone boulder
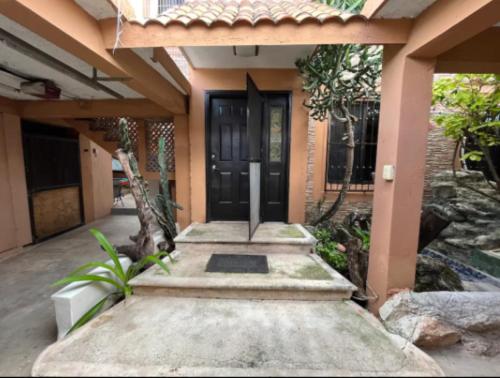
436, 319
434, 275
474, 226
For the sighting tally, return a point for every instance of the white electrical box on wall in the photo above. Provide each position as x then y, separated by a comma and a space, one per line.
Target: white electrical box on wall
389, 172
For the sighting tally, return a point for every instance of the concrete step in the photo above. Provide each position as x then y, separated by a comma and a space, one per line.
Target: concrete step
232, 237
290, 277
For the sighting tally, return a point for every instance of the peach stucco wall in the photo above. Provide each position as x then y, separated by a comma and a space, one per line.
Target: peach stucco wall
15, 228
97, 180
203, 80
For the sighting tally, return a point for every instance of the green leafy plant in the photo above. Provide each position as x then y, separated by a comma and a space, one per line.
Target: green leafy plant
351, 6
119, 277
468, 108
327, 249
364, 236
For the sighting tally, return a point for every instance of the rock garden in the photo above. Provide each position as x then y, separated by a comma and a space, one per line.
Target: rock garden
456, 298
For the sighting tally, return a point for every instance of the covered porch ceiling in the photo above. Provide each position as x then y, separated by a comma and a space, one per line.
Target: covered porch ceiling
459, 35
227, 57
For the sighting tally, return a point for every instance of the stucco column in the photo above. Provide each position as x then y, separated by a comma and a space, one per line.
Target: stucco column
402, 141
182, 170
15, 226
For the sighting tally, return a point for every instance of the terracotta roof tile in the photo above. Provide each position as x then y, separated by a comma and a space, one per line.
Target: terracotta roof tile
252, 12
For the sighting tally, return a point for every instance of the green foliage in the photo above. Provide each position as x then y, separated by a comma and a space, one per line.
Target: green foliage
469, 106
338, 75
364, 236
351, 6
119, 278
327, 249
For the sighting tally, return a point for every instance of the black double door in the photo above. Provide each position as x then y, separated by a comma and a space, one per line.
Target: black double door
227, 157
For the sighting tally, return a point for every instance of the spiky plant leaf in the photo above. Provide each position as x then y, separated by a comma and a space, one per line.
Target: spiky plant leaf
89, 315
111, 251
88, 278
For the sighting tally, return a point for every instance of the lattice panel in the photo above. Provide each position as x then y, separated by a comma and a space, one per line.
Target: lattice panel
155, 129
111, 129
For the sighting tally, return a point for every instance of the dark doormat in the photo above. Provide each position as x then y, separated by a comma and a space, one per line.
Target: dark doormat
221, 263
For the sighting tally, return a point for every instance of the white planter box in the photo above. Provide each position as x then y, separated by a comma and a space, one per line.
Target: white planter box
75, 299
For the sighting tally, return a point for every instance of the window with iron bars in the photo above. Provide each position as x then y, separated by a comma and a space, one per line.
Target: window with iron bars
365, 150
163, 5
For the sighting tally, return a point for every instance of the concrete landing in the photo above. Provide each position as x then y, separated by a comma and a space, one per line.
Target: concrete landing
232, 237
291, 276
193, 337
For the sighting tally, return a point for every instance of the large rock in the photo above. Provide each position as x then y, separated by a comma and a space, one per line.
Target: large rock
442, 318
490, 241
431, 333
434, 275
475, 218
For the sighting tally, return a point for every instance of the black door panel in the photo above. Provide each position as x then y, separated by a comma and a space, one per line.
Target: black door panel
228, 164
227, 157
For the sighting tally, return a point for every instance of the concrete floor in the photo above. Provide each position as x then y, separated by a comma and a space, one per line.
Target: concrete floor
27, 319
152, 336
457, 362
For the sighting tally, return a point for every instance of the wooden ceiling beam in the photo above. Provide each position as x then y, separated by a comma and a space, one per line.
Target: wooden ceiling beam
161, 56
477, 55
447, 24
71, 28
8, 106
355, 30
89, 109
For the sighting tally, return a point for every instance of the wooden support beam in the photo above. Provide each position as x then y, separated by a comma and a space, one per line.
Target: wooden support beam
477, 55
161, 56
71, 28
447, 24
8, 106
371, 7
89, 109
355, 30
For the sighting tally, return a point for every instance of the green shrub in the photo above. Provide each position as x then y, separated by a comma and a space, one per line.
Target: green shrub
327, 249
364, 236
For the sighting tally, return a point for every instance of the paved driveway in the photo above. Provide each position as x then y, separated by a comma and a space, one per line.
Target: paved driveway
27, 319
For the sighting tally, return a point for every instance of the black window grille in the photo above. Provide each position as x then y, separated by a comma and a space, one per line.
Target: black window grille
365, 151
163, 5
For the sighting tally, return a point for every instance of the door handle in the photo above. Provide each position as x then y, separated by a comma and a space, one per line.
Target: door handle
214, 167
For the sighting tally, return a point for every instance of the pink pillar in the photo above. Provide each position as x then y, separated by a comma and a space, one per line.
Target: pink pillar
404, 120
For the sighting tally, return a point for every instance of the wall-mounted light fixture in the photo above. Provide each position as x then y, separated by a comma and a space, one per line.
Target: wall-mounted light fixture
246, 51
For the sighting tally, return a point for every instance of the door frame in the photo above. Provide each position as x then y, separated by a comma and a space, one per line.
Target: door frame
209, 95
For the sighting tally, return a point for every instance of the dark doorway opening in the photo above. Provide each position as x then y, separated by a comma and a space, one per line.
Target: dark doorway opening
53, 176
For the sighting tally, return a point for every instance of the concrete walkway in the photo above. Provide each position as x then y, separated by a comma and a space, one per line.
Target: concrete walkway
27, 320
304, 332
157, 335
